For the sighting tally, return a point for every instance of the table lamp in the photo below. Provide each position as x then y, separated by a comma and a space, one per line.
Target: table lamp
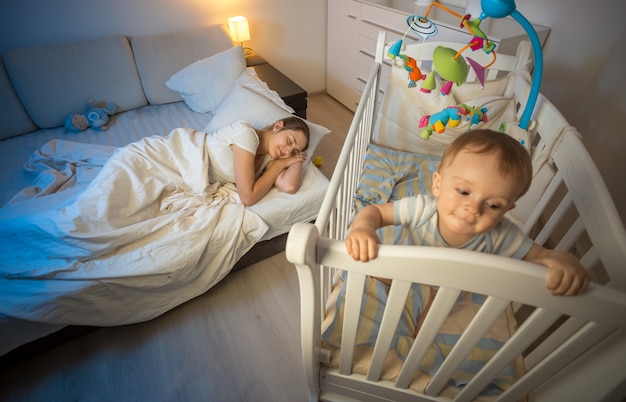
239, 29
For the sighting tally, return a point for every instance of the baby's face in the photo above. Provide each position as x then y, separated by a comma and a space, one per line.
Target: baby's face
473, 196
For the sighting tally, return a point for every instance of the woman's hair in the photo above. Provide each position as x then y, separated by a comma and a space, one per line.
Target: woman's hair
514, 160
297, 124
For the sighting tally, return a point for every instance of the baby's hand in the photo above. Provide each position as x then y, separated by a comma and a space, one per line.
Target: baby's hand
362, 243
566, 276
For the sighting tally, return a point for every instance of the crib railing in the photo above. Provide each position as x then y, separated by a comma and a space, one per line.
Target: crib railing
332, 222
601, 313
336, 210
590, 337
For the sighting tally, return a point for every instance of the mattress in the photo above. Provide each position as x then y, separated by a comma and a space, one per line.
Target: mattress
278, 210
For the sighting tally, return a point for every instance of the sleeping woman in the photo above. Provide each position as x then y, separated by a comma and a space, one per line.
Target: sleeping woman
256, 160
132, 232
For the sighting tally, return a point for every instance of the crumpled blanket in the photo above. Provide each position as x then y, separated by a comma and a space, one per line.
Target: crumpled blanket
109, 237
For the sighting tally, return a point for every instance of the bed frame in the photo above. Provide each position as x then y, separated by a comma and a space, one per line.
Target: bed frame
573, 348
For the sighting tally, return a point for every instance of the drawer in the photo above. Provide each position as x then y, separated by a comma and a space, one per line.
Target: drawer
367, 46
393, 21
373, 19
364, 67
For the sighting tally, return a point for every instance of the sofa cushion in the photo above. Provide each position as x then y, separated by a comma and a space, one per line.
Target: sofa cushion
183, 48
57, 80
13, 118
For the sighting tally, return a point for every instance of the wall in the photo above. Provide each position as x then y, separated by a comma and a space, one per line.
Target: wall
584, 77
583, 56
291, 34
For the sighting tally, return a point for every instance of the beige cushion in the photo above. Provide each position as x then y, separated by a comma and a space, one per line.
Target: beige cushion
13, 118
54, 81
182, 49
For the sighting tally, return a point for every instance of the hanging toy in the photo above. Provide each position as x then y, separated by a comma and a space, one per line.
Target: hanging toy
424, 28
450, 116
475, 115
445, 88
415, 74
394, 50
429, 83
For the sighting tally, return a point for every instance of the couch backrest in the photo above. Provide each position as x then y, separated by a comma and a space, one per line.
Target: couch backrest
42, 85
55, 81
182, 48
13, 117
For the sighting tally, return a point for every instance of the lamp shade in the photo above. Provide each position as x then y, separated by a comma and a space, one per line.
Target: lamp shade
239, 29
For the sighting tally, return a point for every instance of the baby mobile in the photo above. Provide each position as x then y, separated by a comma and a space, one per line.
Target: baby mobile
453, 68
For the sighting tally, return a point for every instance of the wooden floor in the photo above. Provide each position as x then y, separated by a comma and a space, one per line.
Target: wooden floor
240, 341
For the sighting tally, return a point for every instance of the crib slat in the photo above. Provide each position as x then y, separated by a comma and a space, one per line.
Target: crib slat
354, 297
554, 220
395, 304
564, 331
442, 304
574, 232
488, 313
542, 203
533, 327
573, 347
590, 258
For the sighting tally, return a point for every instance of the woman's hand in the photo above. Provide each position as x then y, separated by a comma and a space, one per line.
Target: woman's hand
284, 163
289, 178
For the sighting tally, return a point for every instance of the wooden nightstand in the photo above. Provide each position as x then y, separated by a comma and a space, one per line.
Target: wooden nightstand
293, 94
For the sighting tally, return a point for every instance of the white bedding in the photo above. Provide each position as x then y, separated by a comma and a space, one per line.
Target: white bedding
126, 241
277, 210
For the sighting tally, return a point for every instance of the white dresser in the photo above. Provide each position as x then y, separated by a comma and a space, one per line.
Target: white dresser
353, 27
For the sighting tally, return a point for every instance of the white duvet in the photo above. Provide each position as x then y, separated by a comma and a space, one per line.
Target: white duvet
110, 237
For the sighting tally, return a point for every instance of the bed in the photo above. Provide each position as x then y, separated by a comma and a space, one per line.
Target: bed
493, 331
171, 237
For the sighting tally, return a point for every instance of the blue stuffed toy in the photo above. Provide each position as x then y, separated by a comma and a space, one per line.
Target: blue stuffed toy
93, 117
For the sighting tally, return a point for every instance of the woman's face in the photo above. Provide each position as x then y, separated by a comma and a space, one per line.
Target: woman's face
286, 143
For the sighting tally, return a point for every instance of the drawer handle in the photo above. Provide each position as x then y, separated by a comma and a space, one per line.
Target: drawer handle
352, 16
408, 35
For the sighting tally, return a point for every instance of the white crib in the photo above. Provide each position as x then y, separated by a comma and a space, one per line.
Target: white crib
571, 348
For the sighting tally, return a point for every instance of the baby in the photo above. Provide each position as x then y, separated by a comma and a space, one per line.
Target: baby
481, 176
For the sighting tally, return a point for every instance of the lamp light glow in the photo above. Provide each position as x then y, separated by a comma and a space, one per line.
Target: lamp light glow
239, 29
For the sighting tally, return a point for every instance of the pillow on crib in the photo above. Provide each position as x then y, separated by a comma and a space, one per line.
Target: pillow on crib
255, 103
501, 116
493, 87
397, 123
203, 84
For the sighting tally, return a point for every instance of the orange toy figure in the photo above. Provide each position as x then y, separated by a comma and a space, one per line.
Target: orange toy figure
410, 65
415, 74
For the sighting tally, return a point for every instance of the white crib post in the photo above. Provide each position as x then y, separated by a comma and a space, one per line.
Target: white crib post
300, 250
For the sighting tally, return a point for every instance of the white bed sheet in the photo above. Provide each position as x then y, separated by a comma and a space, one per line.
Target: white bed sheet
277, 209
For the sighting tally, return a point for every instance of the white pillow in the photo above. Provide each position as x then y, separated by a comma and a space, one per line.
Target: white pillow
203, 84
260, 107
